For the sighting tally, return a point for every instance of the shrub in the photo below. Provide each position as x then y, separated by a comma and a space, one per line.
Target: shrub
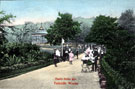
114, 78
15, 53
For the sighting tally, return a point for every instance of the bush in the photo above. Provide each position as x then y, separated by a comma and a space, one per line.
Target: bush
115, 80
16, 53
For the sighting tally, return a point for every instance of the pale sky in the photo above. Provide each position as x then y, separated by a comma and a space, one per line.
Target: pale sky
47, 10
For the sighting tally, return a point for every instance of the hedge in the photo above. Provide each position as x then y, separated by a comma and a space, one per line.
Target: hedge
114, 78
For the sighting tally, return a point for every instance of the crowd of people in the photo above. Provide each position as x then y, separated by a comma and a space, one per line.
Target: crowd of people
67, 55
91, 53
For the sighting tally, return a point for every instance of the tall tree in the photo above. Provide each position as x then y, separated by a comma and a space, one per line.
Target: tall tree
64, 27
120, 46
102, 30
3, 19
127, 20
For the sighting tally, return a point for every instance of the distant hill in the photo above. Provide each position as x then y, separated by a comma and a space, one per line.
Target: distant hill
45, 25
86, 21
86, 24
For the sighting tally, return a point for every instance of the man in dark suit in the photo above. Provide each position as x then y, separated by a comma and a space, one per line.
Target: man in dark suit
77, 52
96, 58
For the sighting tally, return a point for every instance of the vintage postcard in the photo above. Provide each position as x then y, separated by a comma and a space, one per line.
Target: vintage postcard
67, 44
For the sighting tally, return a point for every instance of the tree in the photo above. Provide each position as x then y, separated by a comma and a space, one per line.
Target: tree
84, 32
119, 43
64, 27
3, 19
127, 21
102, 30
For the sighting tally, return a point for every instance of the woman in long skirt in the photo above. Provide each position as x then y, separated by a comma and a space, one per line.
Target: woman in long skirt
71, 57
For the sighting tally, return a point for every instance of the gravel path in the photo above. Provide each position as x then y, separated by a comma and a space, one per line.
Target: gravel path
54, 78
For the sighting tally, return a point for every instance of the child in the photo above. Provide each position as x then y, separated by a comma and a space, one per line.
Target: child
71, 56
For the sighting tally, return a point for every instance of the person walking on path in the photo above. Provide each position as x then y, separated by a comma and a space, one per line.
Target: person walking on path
66, 55
87, 50
96, 58
71, 57
69, 50
58, 54
55, 58
77, 52
92, 57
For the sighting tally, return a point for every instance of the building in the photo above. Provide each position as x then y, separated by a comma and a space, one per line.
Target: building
38, 37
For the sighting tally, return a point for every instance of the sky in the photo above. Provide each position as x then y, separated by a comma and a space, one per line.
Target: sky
47, 10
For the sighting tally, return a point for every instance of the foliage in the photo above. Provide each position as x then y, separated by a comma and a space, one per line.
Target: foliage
120, 55
12, 60
3, 19
85, 27
120, 46
114, 78
15, 53
102, 30
127, 20
64, 27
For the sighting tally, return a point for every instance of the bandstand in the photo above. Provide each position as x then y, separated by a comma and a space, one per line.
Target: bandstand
38, 37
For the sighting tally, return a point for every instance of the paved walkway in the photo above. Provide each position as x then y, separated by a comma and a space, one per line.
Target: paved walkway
54, 78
